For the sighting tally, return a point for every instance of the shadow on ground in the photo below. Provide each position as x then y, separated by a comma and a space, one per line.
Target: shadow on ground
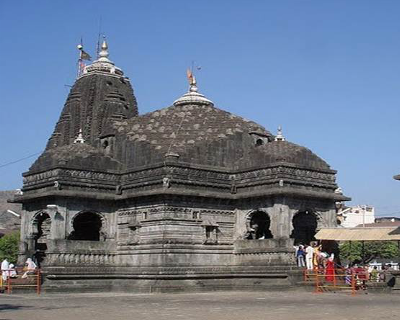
5, 307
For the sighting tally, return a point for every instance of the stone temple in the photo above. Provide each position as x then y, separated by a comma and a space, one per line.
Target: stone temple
185, 197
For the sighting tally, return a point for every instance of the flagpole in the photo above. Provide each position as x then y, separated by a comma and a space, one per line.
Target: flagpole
83, 55
98, 41
80, 48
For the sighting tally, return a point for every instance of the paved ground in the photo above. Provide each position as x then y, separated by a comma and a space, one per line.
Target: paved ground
210, 306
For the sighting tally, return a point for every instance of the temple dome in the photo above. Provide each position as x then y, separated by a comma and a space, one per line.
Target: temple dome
194, 131
197, 132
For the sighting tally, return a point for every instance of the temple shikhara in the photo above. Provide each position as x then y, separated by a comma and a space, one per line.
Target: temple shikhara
188, 196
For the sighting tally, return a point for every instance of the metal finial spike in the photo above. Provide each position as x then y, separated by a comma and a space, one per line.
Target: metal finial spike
192, 81
104, 45
103, 54
193, 85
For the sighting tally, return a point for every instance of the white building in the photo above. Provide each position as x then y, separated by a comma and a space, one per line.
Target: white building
351, 217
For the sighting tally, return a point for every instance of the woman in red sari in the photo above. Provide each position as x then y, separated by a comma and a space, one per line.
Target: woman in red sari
330, 269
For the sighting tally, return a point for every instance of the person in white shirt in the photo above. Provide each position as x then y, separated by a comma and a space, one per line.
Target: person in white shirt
30, 267
4, 269
309, 257
12, 272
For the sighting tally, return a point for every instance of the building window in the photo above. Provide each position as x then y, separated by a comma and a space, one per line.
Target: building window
258, 224
210, 233
87, 226
304, 227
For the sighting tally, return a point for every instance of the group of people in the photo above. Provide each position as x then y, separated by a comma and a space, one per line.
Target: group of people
383, 275
8, 270
312, 256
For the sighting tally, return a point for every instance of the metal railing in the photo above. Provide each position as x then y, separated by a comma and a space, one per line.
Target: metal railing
20, 278
340, 279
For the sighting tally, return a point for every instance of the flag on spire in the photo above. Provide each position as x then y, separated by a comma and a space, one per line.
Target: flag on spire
190, 76
85, 55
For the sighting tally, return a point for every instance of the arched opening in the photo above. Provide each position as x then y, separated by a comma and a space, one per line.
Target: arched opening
304, 227
86, 226
258, 226
259, 142
42, 224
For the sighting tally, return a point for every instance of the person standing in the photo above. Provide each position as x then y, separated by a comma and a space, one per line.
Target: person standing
300, 257
309, 257
330, 269
374, 274
317, 256
4, 269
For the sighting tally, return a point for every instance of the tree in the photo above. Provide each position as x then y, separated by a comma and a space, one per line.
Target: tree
9, 247
352, 250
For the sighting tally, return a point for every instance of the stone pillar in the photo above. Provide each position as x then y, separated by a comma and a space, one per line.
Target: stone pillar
279, 220
326, 218
57, 215
240, 224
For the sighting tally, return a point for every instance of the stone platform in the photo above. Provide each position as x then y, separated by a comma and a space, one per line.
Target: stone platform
127, 279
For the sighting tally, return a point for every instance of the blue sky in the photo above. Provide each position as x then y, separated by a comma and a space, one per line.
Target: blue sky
327, 71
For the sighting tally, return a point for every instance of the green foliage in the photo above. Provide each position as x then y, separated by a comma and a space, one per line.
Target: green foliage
9, 247
352, 250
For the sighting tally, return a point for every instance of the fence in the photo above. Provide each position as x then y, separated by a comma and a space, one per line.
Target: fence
20, 278
340, 279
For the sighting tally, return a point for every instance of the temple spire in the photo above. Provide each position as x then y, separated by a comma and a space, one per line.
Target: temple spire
79, 138
279, 136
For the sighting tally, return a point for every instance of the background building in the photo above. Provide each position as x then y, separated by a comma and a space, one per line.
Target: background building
354, 216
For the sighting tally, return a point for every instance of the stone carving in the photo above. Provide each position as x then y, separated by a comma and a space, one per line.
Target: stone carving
323, 219
166, 183
118, 189
80, 259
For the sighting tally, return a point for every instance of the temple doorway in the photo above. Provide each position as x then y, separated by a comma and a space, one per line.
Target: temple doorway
87, 226
258, 226
304, 227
